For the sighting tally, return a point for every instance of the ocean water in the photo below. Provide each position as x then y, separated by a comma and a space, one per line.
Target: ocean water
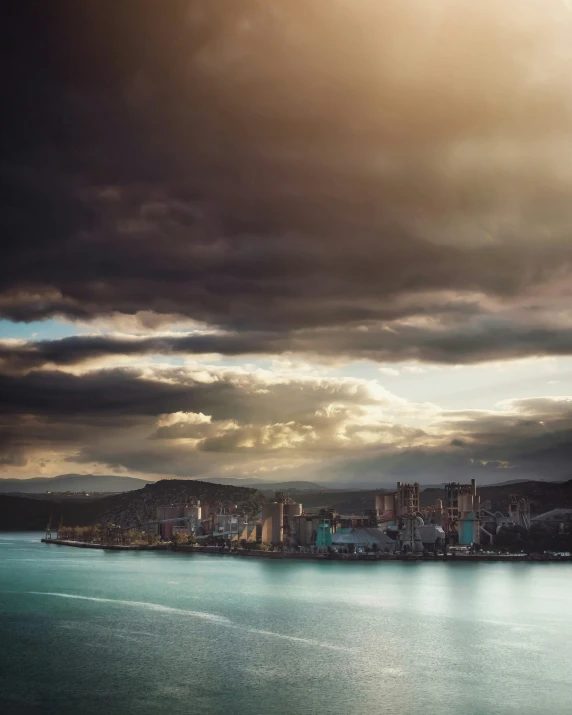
115, 633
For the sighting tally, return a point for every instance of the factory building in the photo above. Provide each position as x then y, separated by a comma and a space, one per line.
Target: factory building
273, 523
324, 537
385, 505
432, 536
554, 517
403, 501
304, 529
228, 524
462, 513
519, 511
407, 499
291, 511
279, 519
396, 524
362, 538
249, 532
176, 517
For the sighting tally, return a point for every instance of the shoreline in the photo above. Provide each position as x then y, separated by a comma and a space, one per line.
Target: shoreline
216, 551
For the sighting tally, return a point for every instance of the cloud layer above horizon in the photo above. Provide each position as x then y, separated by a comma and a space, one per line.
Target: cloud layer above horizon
259, 219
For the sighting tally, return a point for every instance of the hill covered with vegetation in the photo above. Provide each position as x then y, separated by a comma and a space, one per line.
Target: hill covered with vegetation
134, 507
127, 509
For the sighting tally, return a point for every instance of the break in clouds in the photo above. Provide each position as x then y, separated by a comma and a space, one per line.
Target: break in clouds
340, 181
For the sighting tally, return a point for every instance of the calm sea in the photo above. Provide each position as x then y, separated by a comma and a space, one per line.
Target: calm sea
119, 633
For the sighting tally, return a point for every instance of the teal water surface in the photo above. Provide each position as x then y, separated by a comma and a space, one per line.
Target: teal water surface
88, 631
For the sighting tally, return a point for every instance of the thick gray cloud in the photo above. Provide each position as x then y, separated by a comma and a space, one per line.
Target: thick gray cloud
473, 340
342, 180
282, 165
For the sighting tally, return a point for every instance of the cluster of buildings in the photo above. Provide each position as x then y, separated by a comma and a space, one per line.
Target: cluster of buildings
397, 522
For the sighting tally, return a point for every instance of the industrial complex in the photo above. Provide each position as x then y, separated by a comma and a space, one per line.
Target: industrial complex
396, 523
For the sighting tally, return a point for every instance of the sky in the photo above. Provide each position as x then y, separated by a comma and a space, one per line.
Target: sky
295, 239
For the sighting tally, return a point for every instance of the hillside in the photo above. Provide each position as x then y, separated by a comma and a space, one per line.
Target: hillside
543, 495
21, 513
133, 507
343, 501
265, 486
72, 483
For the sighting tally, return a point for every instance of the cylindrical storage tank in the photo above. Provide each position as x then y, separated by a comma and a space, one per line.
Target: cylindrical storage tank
169, 512
292, 510
465, 503
467, 530
388, 505
379, 503
305, 530
272, 522
194, 512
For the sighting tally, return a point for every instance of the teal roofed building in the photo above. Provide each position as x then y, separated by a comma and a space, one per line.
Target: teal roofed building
362, 538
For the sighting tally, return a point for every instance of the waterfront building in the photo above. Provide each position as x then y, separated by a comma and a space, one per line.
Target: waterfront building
304, 529
278, 520
462, 513
273, 523
519, 510
403, 501
361, 538
432, 536
176, 517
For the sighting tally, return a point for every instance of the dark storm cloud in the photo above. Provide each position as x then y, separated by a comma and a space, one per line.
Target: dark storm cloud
271, 166
348, 179
224, 395
474, 340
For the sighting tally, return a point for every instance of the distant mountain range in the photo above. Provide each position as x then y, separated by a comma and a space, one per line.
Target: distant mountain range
109, 483
72, 483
